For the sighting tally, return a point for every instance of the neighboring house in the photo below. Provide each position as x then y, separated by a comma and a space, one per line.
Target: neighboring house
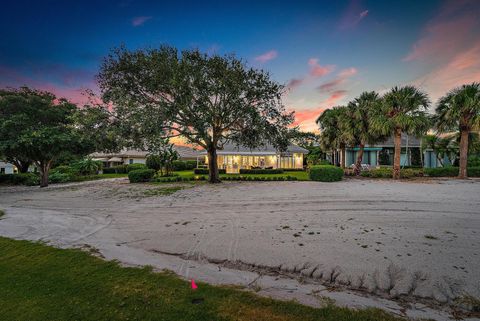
133, 156
7, 168
232, 158
383, 153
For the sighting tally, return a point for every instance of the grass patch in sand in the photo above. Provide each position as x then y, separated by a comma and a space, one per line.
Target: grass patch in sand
40, 282
162, 191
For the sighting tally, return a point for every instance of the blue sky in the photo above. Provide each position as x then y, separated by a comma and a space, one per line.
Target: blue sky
326, 52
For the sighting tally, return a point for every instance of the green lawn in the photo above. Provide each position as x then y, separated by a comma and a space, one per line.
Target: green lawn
300, 175
39, 282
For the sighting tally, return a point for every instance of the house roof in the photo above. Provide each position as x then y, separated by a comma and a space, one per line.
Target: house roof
267, 149
184, 152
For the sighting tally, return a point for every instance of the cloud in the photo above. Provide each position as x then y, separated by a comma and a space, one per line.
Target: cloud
269, 55
317, 70
341, 78
352, 16
139, 21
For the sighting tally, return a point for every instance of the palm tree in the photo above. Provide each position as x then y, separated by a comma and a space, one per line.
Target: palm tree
402, 110
358, 127
460, 110
331, 136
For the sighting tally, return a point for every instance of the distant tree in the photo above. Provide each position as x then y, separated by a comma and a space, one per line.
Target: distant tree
460, 110
332, 135
358, 125
37, 126
208, 100
403, 110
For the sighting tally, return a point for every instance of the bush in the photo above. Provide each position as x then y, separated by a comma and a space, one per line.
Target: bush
448, 171
29, 179
135, 166
204, 171
140, 175
325, 173
262, 171
58, 177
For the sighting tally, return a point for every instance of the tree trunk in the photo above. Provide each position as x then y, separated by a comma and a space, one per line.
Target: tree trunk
398, 151
462, 172
44, 169
358, 162
213, 176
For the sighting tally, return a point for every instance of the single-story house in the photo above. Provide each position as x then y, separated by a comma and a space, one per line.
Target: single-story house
383, 153
232, 158
135, 156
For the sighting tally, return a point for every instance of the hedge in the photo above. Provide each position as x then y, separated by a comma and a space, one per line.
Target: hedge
262, 171
325, 173
29, 179
451, 171
140, 175
204, 171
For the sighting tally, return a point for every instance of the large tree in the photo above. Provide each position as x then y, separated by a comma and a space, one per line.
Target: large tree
207, 100
403, 110
357, 124
460, 110
40, 127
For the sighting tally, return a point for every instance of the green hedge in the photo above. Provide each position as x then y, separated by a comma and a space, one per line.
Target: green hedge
325, 173
451, 171
204, 171
262, 171
140, 175
29, 179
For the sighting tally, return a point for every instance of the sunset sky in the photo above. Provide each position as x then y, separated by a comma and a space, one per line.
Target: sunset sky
326, 52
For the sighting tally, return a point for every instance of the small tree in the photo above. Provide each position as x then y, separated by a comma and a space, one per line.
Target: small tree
40, 127
460, 110
208, 100
402, 110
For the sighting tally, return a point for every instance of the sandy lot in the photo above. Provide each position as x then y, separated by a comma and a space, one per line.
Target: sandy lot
394, 239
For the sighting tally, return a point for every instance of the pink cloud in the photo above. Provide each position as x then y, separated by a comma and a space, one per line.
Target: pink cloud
269, 55
139, 21
352, 16
341, 78
318, 70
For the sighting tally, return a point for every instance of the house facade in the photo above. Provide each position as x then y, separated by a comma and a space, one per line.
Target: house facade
232, 158
135, 156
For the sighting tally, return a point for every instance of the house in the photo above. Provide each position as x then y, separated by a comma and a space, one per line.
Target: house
135, 156
232, 158
383, 153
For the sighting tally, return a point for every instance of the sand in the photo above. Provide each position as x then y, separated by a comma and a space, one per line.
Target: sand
411, 247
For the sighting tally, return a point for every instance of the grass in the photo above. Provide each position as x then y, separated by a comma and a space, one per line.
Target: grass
40, 282
300, 175
162, 191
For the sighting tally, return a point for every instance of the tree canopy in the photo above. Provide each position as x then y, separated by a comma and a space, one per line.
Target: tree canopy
207, 100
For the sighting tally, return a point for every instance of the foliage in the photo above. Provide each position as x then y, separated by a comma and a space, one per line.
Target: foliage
140, 175
29, 179
135, 166
261, 171
206, 171
325, 173
39, 127
208, 100
403, 110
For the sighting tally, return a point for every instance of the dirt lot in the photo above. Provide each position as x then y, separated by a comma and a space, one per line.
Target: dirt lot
404, 240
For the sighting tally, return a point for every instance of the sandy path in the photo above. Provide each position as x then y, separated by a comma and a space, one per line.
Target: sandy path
388, 238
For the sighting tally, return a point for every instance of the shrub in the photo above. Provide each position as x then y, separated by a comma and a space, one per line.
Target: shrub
58, 177
473, 171
325, 173
140, 175
133, 167
262, 171
447, 171
204, 171
29, 179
